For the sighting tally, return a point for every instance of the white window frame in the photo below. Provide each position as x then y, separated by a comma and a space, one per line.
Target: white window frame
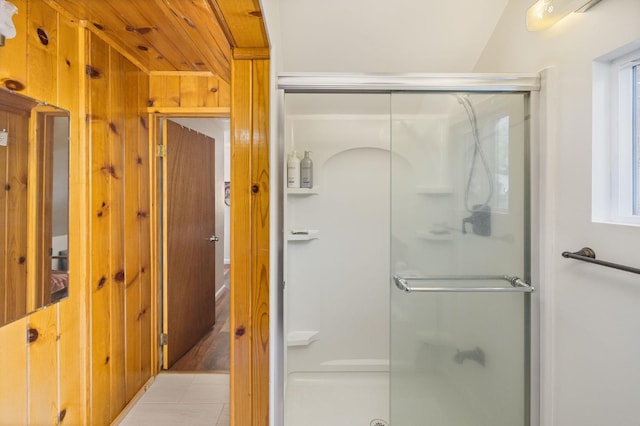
613, 143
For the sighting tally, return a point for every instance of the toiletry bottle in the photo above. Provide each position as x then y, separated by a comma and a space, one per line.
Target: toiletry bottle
293, 171
306, 171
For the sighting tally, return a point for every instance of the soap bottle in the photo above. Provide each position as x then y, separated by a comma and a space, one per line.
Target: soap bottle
306, 171
293, 171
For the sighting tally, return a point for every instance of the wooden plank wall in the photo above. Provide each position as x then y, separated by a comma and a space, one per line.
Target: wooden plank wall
120, 295
187, 91
93, 350
32, 391
250, 243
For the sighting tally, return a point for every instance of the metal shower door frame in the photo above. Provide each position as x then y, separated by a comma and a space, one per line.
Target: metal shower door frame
528, 83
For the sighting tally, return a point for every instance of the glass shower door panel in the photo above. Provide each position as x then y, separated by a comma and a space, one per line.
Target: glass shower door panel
459, 260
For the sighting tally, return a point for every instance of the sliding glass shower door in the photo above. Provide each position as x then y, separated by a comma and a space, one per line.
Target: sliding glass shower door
460, 259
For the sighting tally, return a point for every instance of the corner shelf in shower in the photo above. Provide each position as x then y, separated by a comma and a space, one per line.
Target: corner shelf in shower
303, 191
434, 190
430, 236
302, 338
312, 234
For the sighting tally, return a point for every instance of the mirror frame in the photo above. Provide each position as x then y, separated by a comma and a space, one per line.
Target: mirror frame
29, 253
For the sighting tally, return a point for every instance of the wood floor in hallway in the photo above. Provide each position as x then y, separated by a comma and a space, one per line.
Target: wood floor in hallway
211, 353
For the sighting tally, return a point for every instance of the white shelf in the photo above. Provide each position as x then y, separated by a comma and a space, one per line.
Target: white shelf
430, 236
303, 191
434, 190
311, 235
302, 338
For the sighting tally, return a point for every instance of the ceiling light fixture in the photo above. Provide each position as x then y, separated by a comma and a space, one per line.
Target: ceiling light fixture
544, 13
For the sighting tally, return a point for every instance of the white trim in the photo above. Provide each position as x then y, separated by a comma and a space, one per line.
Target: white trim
612, 149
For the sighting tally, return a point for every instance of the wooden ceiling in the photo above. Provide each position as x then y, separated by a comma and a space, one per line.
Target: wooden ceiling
175, 35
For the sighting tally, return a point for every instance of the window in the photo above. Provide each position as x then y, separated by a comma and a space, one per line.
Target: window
616, 137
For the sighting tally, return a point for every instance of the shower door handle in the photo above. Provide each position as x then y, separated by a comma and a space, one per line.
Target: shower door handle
517, 284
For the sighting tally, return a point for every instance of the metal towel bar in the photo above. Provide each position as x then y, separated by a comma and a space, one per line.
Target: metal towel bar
588, 255
517, 284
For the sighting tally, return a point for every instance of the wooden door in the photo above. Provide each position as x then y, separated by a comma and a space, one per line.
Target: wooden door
189, 294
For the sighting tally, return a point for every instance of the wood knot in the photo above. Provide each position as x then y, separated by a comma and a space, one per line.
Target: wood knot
255, 188
92, 72
32, 335
98, 26
200, 63
142, 313
7, 187
214, 89
149, 104
110, 170
142, 215
143, 122
113, 128
139, 160
119, 276
21, 260
14, 85
240, 331
139, 30
256, 13
143, 48
68, 62
189, 23
102, 282
106, 361
62, 415
42, 35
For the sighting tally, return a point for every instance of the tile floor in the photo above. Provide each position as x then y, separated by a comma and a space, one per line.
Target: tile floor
183, 399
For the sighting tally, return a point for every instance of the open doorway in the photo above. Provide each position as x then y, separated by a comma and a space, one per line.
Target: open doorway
199, 310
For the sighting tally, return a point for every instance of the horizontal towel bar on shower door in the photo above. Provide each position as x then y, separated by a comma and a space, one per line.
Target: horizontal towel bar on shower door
588, 255
517, 284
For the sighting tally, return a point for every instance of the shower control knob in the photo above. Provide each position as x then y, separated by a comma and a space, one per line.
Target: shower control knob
214, 239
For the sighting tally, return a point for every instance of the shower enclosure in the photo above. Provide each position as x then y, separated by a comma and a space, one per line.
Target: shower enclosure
407, 266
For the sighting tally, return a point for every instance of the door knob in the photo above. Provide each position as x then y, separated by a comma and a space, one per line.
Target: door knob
214, 239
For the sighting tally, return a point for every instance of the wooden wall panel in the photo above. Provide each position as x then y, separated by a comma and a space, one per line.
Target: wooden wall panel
42, 69
100, 231
120, 326
250, 243
117, 217
148, 324
260, 236
133, 360
13, 370
43, 395
188, 90
73, 312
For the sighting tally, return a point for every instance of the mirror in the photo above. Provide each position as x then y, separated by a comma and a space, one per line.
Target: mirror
34, 205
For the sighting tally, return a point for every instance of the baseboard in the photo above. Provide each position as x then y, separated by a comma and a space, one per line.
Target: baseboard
131, 403
220, 291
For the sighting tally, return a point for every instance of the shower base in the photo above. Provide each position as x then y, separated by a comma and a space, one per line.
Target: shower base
336, 399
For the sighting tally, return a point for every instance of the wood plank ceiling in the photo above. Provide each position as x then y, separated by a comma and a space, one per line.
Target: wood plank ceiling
175, 35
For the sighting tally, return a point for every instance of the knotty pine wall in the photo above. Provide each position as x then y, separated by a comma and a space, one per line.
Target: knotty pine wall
94, 349
249, 296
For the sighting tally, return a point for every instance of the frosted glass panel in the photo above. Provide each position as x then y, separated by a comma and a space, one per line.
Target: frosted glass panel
459, 208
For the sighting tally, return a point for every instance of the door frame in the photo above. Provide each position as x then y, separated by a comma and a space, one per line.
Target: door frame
158, 267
